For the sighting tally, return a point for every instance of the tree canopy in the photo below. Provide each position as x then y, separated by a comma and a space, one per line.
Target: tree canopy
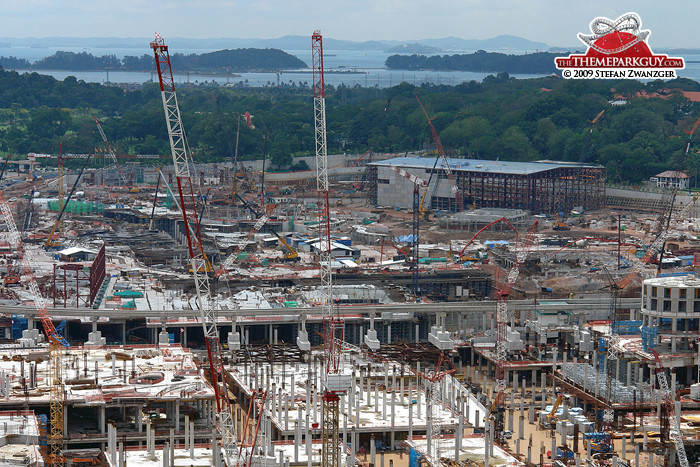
498, 118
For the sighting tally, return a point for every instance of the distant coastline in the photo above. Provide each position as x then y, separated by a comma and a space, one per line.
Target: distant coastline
218, 62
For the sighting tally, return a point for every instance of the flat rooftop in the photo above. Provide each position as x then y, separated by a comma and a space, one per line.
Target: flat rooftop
481, 166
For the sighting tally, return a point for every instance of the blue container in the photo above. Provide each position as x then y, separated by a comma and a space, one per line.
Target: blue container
19, 324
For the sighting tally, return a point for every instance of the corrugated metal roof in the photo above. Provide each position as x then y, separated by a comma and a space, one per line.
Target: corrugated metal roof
475, 165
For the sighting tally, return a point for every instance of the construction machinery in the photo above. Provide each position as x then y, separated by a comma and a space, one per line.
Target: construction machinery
290, 253
182, 161
445, 161
558, 224
251, 427
672, 411
502, 294
49, 243
56, 340
549, 420
335, 383
600, 442
110, 152
418, 183
471, 240
690, 136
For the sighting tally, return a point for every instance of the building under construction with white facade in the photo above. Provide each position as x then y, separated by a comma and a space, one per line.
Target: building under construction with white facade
538, 187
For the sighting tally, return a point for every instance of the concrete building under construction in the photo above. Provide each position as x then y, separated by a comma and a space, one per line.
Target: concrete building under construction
539, 187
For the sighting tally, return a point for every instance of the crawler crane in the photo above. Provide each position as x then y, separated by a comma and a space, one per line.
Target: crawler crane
182, 161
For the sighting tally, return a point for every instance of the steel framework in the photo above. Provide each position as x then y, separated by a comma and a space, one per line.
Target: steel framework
502, 294
332, 324
56, 341
182, 159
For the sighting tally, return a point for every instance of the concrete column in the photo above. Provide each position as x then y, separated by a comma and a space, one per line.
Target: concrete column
166, 455
177, 414
458, 436
172, 447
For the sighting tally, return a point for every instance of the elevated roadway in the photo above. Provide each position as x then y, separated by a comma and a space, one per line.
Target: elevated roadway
287, 315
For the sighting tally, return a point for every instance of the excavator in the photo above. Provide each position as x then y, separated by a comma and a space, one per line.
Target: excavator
290, 253
601, 442
550, 419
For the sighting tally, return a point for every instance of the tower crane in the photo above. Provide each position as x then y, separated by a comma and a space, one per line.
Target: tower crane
445, 161
417, 184
62, 205
690, 135
182, 160
671, 411
612, 339
335, 383
110, 151
56, 340
502, 294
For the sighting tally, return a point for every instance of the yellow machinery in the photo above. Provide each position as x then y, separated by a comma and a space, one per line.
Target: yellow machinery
551, 418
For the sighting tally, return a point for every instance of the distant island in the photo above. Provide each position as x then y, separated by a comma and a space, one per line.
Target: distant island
243, 60
480, 61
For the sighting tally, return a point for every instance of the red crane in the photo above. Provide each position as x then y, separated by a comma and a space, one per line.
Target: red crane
335, 383
502, 294
182, 161
471, 240
445, 161
56, 340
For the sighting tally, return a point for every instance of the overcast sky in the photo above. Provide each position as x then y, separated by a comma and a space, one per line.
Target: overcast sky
555, 22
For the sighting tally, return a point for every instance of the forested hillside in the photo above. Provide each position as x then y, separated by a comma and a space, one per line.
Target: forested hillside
486, 62
499, 118
233, 60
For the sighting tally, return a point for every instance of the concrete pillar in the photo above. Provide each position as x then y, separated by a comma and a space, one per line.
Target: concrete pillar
187, 431
458, 436
166, 455
177, 414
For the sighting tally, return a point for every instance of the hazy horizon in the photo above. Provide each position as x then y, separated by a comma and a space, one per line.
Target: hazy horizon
552, 22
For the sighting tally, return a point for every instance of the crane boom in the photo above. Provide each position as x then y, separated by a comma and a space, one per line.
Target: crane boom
182, 159
48, 242
656, 245
110, 151
445, 162
56, 340
471, 240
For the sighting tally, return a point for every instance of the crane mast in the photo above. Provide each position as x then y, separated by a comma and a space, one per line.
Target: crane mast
502, 318
417, 183
110, 151
182, 159
672, 411
445, 161
57, 343
334, 382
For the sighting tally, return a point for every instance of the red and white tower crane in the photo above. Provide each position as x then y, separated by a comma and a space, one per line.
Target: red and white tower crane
502, 294
335, 382
182, 160
445, 161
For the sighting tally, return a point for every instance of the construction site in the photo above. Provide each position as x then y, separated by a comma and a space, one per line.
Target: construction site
380, 310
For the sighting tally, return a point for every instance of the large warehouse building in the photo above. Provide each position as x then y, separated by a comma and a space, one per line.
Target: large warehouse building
539, 187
